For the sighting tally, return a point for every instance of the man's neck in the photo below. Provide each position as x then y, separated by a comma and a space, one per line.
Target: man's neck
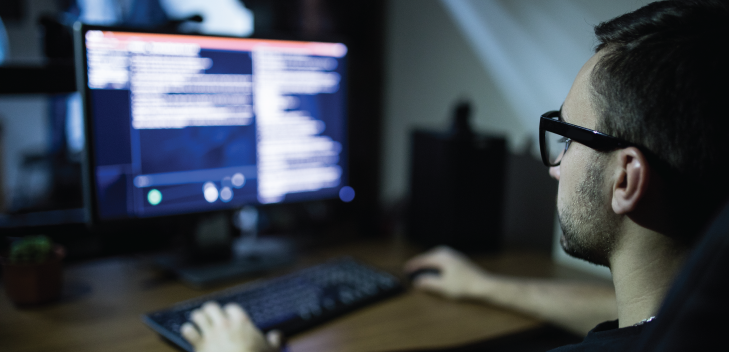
643, 267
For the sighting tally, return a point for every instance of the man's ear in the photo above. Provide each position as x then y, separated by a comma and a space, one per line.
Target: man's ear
632, 182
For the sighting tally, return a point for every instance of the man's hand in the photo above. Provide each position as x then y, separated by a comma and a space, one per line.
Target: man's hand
575, 305
459, 277
227, 330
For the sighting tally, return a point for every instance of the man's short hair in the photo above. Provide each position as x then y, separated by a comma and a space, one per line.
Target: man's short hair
662, 84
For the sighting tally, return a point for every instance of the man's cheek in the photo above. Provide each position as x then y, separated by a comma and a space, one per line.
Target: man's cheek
559, 197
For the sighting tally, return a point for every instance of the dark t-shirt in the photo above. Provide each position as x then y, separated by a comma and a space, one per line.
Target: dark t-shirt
607, 336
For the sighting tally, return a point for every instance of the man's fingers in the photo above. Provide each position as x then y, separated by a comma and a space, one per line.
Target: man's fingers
214, 313
429, 283
435, 262
201, 320
274, 337
235, 313
190, 333
239, 318
430, 259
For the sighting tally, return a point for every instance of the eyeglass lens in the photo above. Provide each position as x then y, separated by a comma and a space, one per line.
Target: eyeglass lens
555, 145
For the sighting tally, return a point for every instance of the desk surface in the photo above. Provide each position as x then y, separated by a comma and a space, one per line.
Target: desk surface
107, 297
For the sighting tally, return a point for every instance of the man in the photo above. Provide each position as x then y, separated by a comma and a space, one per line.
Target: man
633, 197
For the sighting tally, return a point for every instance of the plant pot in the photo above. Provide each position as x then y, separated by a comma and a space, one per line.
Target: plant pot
31, 284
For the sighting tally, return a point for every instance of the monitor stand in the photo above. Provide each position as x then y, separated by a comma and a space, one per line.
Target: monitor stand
216, 258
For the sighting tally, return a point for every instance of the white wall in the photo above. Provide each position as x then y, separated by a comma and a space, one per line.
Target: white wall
515, 59
429, 65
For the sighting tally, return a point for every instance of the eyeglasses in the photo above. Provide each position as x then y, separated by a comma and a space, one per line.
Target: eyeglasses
556, 136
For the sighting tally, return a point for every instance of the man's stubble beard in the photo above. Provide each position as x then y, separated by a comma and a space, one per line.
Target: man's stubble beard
589, 225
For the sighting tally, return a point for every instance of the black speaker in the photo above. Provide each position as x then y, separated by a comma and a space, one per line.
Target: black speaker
457, 189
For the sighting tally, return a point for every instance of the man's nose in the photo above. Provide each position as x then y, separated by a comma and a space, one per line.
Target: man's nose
555, 172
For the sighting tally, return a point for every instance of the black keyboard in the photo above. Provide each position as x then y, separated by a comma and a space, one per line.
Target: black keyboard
290, 303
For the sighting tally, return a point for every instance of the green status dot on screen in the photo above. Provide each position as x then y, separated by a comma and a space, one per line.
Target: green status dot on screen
154, 196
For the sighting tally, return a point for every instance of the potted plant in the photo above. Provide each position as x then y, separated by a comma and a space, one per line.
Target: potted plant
32, 270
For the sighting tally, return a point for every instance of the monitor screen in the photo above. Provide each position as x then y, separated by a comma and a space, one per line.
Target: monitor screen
188, 123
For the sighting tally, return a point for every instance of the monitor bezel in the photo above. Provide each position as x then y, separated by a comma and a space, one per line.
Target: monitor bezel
88, 155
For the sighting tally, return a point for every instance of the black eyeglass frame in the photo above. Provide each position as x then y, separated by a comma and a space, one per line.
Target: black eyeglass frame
550, 122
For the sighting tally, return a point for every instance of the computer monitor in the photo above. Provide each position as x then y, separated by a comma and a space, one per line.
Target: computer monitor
180, 123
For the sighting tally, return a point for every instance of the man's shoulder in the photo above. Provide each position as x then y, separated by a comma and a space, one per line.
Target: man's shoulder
606, 336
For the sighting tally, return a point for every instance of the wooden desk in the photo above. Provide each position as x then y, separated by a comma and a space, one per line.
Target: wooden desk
110, 295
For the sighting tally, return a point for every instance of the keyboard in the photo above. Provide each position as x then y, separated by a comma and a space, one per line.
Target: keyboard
289, 303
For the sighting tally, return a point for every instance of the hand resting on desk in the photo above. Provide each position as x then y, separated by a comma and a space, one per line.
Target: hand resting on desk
458, 277
574, 305
227, 330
